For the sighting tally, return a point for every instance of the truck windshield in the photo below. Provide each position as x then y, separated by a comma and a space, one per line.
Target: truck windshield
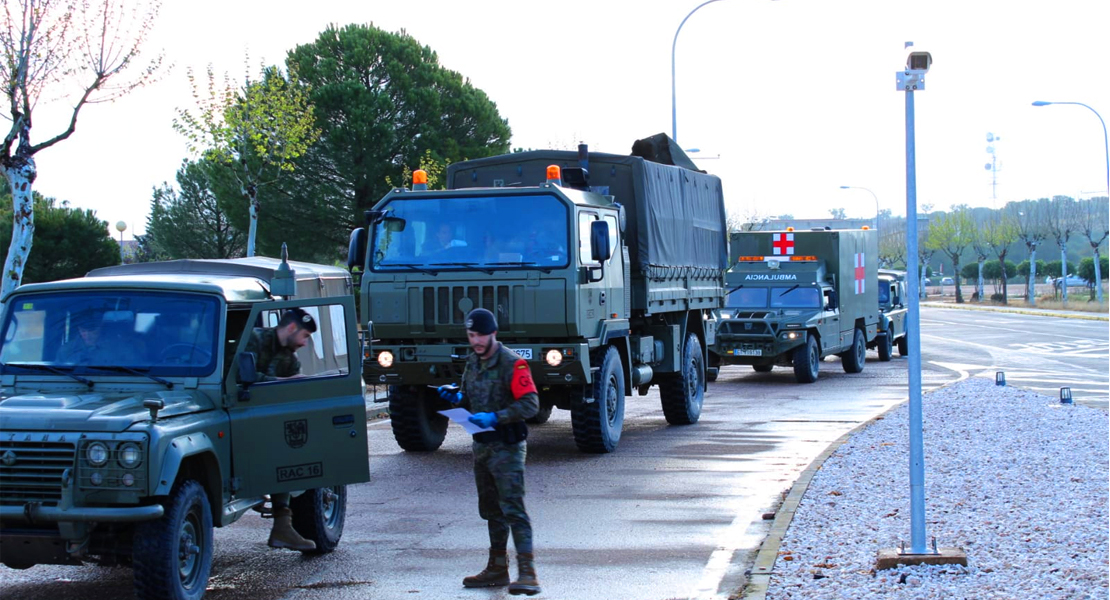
754, 297
472, 233
94, 333
795, 297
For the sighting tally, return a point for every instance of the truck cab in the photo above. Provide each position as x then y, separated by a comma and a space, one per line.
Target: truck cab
132, 421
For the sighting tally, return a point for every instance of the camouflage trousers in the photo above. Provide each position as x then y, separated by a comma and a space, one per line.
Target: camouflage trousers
499, 474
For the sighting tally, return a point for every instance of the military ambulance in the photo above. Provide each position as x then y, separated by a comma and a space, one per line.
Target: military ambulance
795, 297
129, 453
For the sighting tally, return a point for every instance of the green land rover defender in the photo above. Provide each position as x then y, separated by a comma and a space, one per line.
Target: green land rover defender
132, 421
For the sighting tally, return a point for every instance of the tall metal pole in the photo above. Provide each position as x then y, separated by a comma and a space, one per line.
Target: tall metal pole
1106, 151
909, 81
674, 112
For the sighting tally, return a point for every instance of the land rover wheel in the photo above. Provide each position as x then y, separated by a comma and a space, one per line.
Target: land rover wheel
807, 361
886, 346
683, 394
854, 359
172, 556
540, 417
597, 424
319, 515
763, 368
904, 345
417, 426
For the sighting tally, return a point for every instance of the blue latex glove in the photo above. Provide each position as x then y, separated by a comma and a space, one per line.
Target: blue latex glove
484, 419
450, 393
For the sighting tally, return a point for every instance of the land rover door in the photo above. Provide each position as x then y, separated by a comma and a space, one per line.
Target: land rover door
304, 432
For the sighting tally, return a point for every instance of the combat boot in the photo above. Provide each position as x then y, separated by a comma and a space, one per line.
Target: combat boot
284, 536
496, 573
526, 582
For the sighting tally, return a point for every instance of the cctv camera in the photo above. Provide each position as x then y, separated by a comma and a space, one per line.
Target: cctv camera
919, 61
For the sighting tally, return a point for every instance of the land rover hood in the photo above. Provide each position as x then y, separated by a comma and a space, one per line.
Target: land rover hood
92, 412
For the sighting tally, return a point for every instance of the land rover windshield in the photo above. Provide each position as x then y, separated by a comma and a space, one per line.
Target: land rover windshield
775, 297
98, 333
522, 231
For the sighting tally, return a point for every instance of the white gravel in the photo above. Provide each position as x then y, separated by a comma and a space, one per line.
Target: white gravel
1015, 479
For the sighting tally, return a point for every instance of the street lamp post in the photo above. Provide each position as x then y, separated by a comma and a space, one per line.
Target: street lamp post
1106, 150
121, 227
674, 113
853, 187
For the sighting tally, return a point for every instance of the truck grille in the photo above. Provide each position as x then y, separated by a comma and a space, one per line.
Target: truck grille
744, 327
441, 304
31, 471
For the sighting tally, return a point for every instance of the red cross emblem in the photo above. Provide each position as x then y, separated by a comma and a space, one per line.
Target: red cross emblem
782, 243
860, 273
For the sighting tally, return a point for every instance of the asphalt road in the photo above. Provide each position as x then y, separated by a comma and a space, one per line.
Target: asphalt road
676, 512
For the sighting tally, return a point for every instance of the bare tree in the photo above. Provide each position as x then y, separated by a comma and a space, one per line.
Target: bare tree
980, 244
1000, 233
1094, 223
1029, 217
46, 45
749, 219
892, 247
1063, 219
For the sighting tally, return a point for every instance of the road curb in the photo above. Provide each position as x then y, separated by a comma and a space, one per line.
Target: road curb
1018, 311
764, 565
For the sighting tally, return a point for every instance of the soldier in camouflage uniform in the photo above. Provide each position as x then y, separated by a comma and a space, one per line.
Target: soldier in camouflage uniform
275, 350
497, 386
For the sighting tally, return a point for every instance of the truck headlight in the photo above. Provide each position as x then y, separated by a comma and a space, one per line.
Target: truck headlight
97, 454
553, 357
790, 335
385, 359
130, 456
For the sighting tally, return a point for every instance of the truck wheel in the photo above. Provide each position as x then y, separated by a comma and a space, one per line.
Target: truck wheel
682, 394
597, 425
172, 556
854, 359
807, 361
885, 346
416, 425
904, 345
540, 417
319, 515
763, 368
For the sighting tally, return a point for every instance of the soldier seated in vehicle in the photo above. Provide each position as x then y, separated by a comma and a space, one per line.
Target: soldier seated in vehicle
89, 344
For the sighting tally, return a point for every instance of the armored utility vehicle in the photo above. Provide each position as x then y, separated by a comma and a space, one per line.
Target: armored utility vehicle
892, 315
603, 271
131, 422
796, 297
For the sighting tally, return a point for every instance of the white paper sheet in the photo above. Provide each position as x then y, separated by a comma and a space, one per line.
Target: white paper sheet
462, 417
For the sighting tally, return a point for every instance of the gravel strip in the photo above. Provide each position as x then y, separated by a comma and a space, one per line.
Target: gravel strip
1015, 479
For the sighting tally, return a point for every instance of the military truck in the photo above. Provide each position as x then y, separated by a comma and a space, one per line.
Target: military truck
892, 315
796, 297
603, 271
130, 449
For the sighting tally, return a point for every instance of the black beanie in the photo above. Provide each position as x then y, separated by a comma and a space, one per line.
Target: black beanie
481, 321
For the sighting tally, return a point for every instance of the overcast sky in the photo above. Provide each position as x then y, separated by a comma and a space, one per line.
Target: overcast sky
788, 99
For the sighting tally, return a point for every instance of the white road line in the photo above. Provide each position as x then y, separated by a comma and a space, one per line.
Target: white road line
733, 538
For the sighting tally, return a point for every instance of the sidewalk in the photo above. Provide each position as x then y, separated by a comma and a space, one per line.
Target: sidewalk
1021, 310
1014, 478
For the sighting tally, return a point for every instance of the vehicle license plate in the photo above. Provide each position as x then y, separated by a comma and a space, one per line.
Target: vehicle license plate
525, 353
747, 353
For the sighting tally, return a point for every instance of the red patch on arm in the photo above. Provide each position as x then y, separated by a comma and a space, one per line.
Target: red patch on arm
522, 379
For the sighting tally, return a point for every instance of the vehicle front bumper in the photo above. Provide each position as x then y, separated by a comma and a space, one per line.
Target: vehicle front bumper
34, 512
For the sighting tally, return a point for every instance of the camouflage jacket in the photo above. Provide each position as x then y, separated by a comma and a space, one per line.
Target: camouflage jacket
272, 360
503, 384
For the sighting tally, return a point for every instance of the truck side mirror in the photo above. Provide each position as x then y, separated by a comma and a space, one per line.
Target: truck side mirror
356, 249
830, 303
600, 244
248, 370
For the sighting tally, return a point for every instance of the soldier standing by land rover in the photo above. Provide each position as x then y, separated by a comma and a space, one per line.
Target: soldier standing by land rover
133, 461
